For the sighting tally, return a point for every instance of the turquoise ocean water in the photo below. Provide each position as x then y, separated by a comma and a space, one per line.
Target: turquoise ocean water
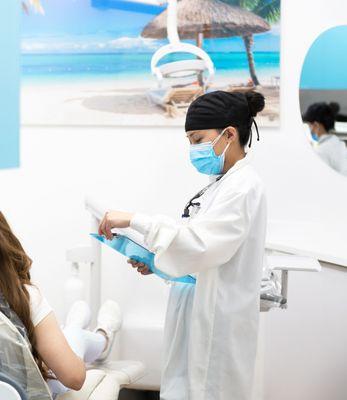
95, 66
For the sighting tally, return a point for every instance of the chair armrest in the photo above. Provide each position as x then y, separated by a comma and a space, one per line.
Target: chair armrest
290, 262
98, 385
106, 381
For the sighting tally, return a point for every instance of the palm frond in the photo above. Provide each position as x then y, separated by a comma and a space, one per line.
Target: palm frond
34, 4
270, 10
250, 4
247, 4
25, 8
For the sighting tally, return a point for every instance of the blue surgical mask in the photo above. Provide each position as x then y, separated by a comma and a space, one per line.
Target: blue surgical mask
314, 136
204, 158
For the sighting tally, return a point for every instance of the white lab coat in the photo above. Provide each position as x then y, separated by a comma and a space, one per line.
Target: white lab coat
333, 151
211, 328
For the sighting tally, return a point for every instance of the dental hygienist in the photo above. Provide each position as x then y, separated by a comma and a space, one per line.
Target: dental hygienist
211, 327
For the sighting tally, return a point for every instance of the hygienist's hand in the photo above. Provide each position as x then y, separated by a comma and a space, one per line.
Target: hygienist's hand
141, 267
114, 219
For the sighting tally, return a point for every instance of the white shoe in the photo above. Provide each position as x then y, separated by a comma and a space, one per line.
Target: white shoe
109, 321
79, 315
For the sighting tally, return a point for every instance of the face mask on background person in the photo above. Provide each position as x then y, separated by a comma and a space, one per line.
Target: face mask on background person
314, 136
204, 158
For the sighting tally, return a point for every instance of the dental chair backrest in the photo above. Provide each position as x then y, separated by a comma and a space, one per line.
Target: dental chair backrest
17, 365
10, 390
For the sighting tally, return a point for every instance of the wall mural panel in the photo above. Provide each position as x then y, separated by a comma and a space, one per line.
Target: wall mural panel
89, 62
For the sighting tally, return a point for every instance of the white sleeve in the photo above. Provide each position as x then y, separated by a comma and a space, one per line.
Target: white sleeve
207, 241
39, 306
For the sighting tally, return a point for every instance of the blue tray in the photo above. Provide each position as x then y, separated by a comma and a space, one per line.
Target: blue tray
133, 250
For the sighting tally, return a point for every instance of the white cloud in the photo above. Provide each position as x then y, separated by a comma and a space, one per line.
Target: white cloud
131, 42
35, 45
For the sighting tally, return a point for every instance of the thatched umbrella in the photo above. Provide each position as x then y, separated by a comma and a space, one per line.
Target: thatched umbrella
211, 19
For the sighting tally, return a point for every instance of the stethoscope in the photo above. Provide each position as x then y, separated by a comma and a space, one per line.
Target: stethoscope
190, 204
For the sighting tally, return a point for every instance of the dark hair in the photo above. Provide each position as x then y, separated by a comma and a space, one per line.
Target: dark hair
335, 107
322, 113
256, 104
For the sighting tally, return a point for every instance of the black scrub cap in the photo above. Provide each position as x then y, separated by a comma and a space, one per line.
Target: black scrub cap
220, 109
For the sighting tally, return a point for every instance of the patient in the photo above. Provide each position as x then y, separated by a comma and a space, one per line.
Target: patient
59, 354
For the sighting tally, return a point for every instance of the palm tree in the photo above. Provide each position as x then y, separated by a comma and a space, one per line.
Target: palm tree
270, 10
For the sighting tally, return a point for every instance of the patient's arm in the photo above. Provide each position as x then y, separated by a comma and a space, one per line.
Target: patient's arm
58, 355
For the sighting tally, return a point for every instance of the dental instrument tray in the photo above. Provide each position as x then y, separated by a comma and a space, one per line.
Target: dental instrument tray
134, 251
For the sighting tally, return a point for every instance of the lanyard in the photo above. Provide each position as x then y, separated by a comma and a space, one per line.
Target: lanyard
186, 212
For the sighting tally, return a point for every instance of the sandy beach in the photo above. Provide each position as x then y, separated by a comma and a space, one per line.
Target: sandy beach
108, 102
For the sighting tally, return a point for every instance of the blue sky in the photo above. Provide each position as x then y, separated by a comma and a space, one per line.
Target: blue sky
78, 26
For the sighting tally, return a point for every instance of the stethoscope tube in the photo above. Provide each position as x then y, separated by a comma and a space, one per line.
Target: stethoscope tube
186, 211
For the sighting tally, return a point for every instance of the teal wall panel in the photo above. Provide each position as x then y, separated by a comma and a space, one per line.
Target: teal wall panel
10, 13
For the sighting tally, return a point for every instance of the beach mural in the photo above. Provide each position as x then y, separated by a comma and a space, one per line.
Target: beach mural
112, 62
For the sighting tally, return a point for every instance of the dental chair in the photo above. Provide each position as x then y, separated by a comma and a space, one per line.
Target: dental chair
10, 390
20, 378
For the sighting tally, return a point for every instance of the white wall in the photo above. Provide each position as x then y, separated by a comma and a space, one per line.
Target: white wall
305, 351
309, 96
148, 171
